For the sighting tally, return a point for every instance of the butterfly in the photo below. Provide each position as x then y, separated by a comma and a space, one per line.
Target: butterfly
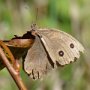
51, 48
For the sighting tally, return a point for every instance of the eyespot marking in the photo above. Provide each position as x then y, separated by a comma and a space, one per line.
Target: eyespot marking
61, 53
71, 45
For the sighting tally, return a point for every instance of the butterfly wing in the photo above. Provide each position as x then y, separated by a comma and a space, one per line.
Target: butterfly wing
61, 47
36, 62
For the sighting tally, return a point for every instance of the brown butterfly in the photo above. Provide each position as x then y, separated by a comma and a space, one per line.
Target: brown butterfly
51, 48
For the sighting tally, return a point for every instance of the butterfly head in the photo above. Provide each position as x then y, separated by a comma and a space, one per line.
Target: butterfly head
33, 26
34, 29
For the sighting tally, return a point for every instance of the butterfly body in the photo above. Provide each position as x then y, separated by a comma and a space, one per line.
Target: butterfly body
51, 48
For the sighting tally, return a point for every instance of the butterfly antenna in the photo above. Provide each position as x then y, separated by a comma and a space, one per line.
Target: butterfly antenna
36, 14
34, 25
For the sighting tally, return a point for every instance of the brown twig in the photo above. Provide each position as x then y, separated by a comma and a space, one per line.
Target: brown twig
15, 75
11, 57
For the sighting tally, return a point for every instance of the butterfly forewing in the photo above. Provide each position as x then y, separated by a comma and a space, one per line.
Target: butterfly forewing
36, 63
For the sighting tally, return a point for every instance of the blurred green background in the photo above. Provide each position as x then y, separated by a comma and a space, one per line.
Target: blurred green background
71, 16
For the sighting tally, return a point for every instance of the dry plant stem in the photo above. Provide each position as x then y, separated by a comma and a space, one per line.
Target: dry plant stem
15, 75
2, 44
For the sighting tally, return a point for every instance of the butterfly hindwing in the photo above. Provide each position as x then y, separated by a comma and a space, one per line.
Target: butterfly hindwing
62, 47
